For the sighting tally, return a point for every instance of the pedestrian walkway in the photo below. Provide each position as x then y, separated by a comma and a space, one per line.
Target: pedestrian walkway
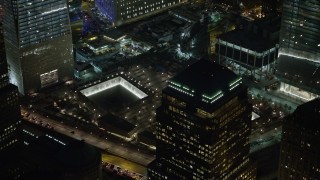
277, 97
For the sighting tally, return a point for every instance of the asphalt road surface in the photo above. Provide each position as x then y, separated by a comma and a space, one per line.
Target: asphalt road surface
111, 147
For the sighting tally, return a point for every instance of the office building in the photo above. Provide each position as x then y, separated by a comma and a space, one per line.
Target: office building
300, 148
253, 50
125, 11
203, 126
38, 43
299, 53
46, 154
9, 106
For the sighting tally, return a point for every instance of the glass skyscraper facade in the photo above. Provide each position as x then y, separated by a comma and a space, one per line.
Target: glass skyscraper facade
123, 11
38, 43
9, 105
300, 30
299, 53
4, 80
203, 126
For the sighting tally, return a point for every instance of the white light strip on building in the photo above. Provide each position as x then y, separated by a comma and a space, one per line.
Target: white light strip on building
181, 17
120, 136
54, 10
215, 99
301, 97
234, 82
112, 83
215, 95
234, 86
298, 57
181, 90
134, 90
90, 93
48, 73
150, 146
57, 140
31, 134
242, 49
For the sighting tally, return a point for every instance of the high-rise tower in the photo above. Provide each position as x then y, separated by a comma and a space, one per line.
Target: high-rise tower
38, 43
299, 53
300, 148
9, 105
203, 126
124, 11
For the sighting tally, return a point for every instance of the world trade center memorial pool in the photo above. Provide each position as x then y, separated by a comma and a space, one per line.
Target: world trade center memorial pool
113, 93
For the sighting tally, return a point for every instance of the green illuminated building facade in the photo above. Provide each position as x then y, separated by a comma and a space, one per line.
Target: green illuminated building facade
203, 126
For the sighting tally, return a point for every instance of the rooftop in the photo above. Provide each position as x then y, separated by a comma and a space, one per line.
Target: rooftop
147, 137
116, 122
204, 82
74, 155
147, 134
247, 40
55, 154
187, 13
85, 51
99, 42
114, 34
80, 66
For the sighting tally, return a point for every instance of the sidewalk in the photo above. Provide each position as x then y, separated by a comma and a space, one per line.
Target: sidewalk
277, 97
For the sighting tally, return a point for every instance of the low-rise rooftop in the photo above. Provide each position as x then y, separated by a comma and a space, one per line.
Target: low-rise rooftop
248, 40
114, 34
115, 125
98, 42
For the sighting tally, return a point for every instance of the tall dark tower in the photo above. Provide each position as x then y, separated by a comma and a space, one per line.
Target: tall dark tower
299, 53
203, 126
38, 43
9, 105
300, 147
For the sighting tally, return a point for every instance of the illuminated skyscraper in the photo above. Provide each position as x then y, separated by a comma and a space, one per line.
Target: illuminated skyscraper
9, 105
203, 126
124, 11
300, 147
299, 54
38, 43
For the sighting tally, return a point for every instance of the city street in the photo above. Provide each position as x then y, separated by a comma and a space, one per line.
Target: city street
261, 140
111, 147
276, 97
